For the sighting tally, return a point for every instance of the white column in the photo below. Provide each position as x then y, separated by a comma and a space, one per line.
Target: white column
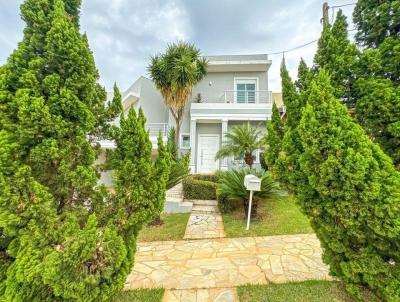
224, 162
193, 146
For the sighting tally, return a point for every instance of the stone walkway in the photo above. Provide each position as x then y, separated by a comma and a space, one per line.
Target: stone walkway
205, 221
226, 263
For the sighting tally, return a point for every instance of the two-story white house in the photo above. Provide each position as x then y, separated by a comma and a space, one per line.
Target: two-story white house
234, 91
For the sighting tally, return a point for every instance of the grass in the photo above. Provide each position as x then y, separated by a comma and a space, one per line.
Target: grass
307, 291
173, 228
275, 217
140, 295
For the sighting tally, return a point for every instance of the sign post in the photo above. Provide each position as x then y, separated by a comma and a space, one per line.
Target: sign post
252, 183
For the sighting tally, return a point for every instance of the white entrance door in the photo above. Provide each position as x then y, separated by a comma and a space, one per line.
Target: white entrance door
208, 148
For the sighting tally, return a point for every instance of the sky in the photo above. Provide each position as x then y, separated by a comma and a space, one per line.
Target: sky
124, 34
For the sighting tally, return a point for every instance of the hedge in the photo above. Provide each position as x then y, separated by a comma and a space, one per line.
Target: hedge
199, 186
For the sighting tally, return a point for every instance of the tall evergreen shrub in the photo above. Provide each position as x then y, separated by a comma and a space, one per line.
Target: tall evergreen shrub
63, 237
351, 192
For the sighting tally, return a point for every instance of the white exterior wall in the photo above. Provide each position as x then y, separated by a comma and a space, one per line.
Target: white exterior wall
209, 119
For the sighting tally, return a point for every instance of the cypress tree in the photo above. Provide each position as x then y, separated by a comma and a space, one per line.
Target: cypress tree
375, 21
351, 192
63, 237
304, 76
378, 84
286, 166
338, 56
273, 138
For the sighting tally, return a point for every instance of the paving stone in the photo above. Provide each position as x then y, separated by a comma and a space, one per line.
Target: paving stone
227, 263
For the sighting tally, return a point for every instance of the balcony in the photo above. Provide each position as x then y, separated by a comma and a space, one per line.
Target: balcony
154, 130
247, 97
235, 105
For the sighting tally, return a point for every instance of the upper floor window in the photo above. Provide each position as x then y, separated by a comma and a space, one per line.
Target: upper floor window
246, 90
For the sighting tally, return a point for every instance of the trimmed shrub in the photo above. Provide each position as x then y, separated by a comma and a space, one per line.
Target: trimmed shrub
200, 187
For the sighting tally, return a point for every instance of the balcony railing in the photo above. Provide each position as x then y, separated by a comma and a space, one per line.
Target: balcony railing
156, 128
247, 97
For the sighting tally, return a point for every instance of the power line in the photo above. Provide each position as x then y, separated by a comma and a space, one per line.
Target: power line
343, 5
294, 48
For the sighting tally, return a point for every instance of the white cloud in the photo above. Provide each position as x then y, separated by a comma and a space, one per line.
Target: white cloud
123, 34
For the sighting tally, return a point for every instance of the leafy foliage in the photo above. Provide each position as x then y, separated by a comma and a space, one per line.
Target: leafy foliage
175, 73
231, 186
378, 84
375, 21
286, 166
338, 57
179, 165
351, 192
200, 187
63, 237
242, 140
273, 138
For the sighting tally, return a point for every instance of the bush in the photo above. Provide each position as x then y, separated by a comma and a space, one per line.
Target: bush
231, 188
351, 192
200, 187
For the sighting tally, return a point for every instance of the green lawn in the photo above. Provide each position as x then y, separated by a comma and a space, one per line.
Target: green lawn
307, 291
275, 217
173, 228
140, 295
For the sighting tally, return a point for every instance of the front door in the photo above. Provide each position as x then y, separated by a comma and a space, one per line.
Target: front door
208, 148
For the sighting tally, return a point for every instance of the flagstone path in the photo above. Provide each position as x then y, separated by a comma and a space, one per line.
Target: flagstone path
210, 264
205, 221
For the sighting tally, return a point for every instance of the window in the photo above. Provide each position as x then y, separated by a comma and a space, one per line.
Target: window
246, 91
185, 141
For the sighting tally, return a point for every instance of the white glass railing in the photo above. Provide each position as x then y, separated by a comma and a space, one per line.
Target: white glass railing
156, 128
247, 97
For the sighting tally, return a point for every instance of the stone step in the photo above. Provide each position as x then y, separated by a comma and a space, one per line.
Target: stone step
177, 206
204, 202
174, 199
204, 209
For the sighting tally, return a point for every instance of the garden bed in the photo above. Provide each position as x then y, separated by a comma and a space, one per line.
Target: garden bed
275, 217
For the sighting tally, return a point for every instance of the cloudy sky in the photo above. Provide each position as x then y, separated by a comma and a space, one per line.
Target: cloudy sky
123, 34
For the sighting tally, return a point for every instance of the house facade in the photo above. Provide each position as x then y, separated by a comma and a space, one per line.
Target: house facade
234, 91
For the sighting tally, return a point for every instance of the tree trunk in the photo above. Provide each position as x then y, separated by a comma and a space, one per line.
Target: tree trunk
178, 117
248, 159
254, 206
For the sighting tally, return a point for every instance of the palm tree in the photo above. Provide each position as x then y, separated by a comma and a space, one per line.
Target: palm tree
231, 187
175, 73
242, 140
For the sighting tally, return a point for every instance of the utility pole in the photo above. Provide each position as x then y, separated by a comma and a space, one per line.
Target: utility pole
325, 14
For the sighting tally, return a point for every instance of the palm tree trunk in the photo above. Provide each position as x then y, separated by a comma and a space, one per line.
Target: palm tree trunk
248, 159
178, 117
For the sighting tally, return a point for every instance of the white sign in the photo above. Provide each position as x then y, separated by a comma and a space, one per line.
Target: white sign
252, 183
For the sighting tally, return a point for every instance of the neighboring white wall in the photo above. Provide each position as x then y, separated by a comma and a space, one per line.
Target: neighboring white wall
105, 177
152, 103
